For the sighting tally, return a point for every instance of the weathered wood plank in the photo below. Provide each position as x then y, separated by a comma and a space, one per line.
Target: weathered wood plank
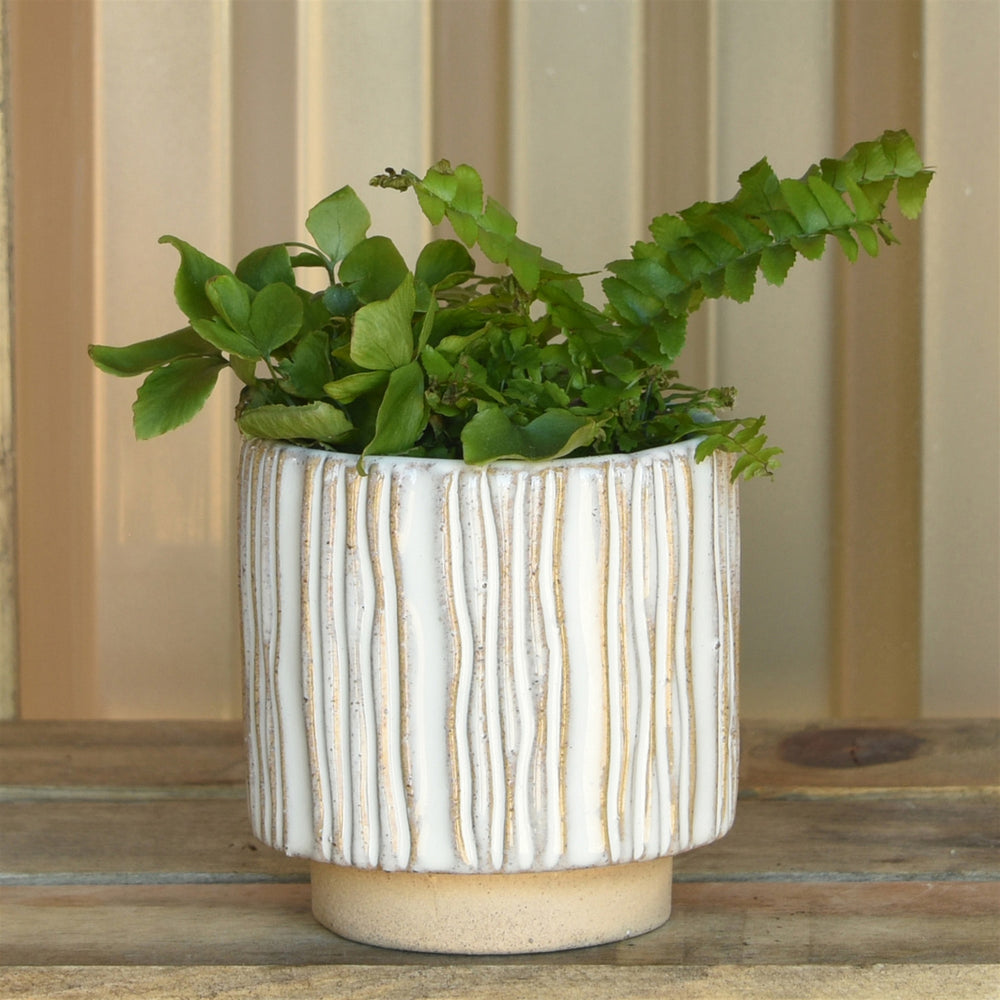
734, 924
117, 839
137, 840
953, 754
896, 838
899, 838
783, 982
121, 754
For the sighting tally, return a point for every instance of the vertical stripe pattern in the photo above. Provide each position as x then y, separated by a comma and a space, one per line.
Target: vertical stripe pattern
510, 668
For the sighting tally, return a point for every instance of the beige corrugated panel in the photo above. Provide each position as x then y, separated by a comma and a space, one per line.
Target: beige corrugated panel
51, 95
775, 98
576, 128
8, 507
364, 104
961, 370
163, 578
224, 122
875, 601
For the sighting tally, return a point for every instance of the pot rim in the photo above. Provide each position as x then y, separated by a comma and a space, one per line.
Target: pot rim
687, 446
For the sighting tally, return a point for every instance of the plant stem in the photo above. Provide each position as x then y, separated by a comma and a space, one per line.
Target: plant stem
327, 263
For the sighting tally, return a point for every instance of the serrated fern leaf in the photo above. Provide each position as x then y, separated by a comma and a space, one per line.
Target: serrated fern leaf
744, 438
714, 250
456, 193
710, 250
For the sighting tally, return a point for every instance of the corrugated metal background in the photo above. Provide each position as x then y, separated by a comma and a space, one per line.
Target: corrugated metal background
870, 564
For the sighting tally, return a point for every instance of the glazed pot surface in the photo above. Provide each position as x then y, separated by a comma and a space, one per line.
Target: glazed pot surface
520, 668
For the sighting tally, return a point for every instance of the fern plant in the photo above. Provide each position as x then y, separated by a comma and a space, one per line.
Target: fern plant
441, 361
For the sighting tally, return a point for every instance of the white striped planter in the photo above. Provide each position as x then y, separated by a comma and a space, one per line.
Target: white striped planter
462, 675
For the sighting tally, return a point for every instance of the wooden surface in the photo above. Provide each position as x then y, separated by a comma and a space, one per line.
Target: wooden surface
127, 869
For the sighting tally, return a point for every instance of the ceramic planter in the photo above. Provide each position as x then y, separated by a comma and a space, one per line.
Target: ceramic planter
489, 703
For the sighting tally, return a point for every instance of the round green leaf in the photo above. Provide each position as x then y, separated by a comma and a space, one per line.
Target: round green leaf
490, 435
373, 269
383, 335
309, 368
316, 421
338, 223
145, 355
403, 414
265, 266
231, 300
171, 395
350, 387
221, 335
275, 317
189, 286
440, 259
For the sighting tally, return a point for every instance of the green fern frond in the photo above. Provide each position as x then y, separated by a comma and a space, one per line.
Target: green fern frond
744, 437
714, 250
456, 193
708, 251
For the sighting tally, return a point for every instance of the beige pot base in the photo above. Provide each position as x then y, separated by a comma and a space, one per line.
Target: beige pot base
492, 914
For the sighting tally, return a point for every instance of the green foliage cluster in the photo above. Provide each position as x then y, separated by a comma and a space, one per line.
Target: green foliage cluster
441, 361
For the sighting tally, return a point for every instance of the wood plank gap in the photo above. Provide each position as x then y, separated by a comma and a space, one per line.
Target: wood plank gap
108, 879
837, 878
819, 793
159, 793
506, 981
107, 793
51, 879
